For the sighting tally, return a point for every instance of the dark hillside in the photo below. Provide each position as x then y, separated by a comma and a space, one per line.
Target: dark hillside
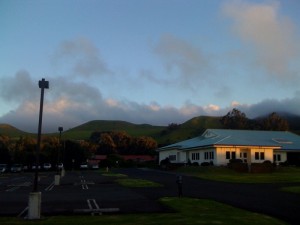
84, 131
191, 128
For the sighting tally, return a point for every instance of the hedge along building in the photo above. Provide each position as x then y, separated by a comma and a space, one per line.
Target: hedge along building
218, 146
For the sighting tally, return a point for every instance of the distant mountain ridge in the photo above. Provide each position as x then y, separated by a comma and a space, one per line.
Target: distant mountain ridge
162, 134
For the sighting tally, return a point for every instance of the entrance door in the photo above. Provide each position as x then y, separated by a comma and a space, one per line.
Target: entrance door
245, 155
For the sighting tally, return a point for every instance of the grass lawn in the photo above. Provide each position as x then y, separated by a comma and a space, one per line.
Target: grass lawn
116, 175
280, 175
189, 211
293, 189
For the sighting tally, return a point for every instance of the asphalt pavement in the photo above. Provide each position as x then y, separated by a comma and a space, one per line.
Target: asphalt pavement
88, 192
261, 198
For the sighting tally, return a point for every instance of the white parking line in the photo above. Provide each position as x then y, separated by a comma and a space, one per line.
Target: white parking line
12, 188
92, 203
23, 212
95, 209
50, 187
84, 186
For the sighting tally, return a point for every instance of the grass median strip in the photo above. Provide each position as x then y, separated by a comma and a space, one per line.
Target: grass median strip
189, 211
129, 182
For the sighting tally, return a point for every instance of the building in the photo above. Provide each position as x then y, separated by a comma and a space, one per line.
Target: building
218, 146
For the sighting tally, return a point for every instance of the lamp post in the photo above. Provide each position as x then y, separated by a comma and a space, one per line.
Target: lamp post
42, 85
60, 129
34, 208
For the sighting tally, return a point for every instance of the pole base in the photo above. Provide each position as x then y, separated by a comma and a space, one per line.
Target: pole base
57, 180
34, 205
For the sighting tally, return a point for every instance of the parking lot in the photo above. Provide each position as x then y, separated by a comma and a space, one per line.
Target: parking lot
80, 192
88, 192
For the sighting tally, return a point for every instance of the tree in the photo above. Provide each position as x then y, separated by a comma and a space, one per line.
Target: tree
24, 151
4, 149
122, 141
235, 119
144, 145
106, 144
275, 122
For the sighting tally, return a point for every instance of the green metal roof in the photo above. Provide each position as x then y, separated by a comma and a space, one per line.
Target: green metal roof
213, 137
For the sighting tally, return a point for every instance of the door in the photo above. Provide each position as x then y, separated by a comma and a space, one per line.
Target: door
245, 155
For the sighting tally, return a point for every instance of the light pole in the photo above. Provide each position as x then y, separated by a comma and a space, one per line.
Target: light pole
42, 85
60, 129
34, 208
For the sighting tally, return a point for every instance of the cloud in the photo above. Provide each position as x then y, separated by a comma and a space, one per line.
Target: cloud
82, 57
182, 59
21, 87
70, 103
272, 35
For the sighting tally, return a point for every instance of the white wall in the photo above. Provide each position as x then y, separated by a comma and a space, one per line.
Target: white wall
219, 155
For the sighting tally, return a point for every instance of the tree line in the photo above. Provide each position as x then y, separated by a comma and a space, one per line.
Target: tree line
23, 149
236, 119
119, 142
70, 152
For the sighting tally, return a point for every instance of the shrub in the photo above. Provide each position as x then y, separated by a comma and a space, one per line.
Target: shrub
262, 167
205, 164
235, 161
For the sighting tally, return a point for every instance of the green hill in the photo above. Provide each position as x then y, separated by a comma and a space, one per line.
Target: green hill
84, 131
191, 128
162, 134
11, 131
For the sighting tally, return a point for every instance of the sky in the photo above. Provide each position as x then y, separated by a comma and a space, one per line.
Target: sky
146, 61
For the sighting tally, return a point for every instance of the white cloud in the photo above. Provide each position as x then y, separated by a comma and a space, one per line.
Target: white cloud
212, 107
271, 34
81, 57
235, 104
64, 107
185, 62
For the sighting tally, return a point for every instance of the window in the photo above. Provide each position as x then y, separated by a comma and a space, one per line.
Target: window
172, 157
209, 155
227, 155
259, 156
233, 155
205, 155
195, 156
230, 155
277, 158
256, 155
262, 156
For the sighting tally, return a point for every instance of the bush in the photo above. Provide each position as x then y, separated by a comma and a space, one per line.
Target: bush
262, 167
235, 161
205, 164
195, 164
239, 167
